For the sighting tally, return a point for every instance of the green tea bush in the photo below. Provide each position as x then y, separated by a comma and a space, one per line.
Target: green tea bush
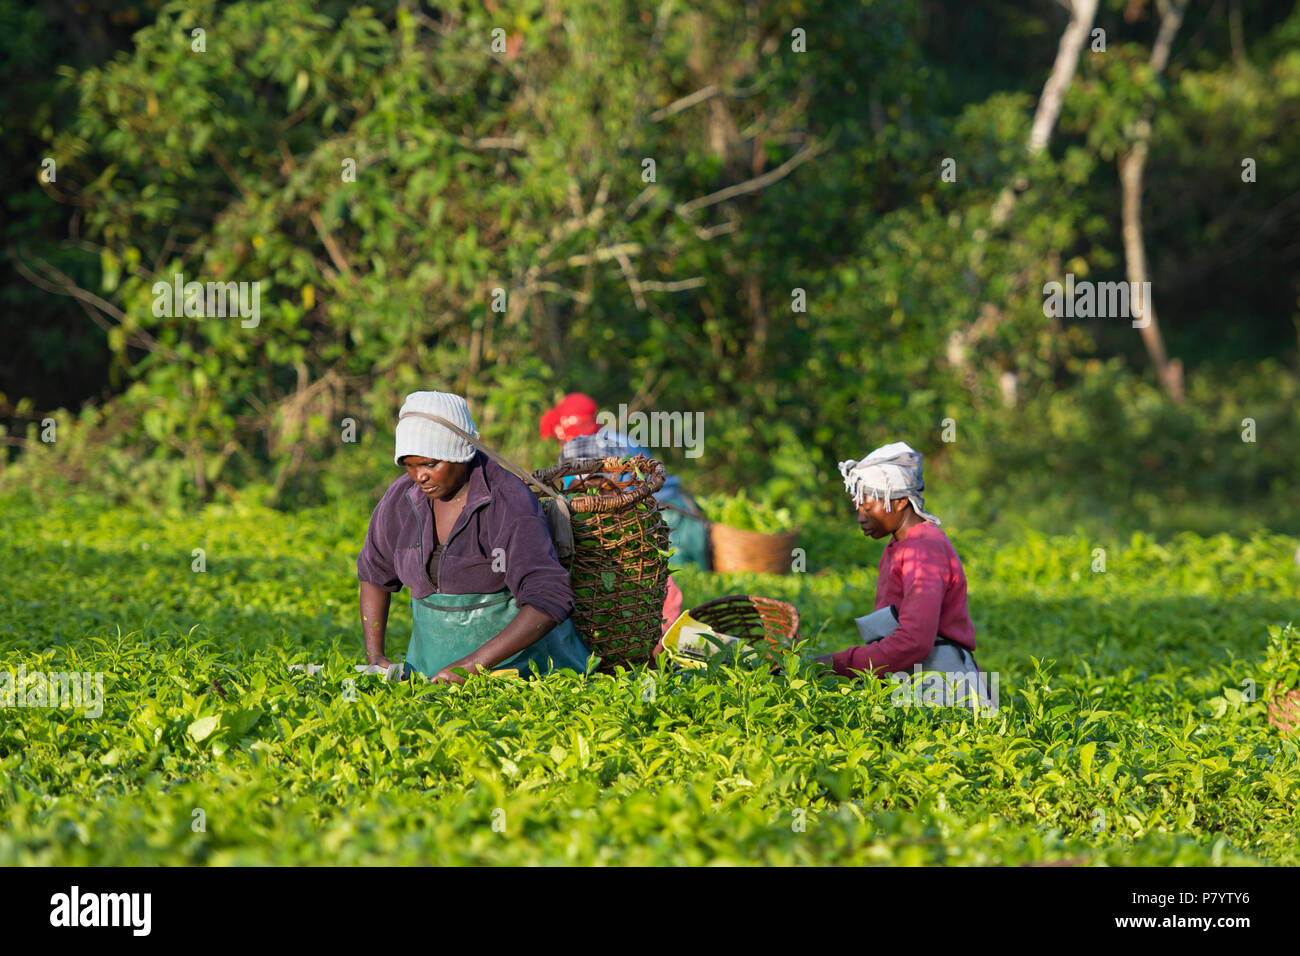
1128, 730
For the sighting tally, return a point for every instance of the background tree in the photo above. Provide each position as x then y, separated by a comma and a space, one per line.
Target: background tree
822, 259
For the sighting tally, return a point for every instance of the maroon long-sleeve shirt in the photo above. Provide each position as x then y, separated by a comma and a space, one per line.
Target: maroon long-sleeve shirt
922, 577
500, 540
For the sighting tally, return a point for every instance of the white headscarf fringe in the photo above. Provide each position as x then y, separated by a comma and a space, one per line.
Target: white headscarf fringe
891, 471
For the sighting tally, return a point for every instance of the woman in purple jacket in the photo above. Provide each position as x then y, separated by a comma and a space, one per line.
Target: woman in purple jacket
471, 542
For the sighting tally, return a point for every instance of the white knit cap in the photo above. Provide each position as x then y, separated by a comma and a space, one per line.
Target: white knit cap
426, 439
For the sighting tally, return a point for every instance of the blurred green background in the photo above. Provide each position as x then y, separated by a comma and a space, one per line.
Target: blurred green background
797, 150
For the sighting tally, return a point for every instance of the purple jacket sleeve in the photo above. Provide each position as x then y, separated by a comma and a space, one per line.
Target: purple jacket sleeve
375, 562
921, 570
533, 572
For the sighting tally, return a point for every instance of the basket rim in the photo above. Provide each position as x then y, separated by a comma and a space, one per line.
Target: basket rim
730, 529
754, 600
637, 490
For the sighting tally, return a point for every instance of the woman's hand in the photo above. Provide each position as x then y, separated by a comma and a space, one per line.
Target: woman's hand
448, 674
525, 629
379, 660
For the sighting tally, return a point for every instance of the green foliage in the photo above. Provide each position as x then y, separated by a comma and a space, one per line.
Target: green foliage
1282, 660
1113, 450
1125, 735
229, 165
745, 512
1108, 745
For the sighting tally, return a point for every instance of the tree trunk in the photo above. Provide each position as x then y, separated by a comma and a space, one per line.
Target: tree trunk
1058, 82
1132, 165
1082, 16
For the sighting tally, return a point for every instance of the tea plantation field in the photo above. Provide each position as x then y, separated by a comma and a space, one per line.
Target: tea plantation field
1126, 733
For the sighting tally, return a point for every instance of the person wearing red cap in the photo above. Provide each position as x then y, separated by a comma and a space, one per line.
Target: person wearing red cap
574, 416
573, 423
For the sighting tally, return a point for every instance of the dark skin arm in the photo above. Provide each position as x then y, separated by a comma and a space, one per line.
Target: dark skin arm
527, 628
441, 481
374, 622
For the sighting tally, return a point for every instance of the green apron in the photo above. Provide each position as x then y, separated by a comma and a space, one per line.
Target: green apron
446, 627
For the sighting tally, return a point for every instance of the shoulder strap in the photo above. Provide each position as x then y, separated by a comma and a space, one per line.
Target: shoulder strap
505, 463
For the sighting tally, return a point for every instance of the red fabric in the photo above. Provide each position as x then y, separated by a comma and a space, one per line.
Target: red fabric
672, 605
575, 415
672, 611
922, 576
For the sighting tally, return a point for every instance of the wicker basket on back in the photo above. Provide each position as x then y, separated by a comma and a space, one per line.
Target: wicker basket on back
619, 568
757, 620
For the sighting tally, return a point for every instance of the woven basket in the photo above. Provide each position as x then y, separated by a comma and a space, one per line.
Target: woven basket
1284, 712
736, 550
619, 569
757, 620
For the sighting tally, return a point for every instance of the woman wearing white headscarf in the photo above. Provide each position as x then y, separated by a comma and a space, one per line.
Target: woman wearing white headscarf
922, 621
470, 541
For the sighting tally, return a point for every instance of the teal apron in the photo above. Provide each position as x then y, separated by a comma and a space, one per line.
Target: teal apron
447, 627
688, 533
